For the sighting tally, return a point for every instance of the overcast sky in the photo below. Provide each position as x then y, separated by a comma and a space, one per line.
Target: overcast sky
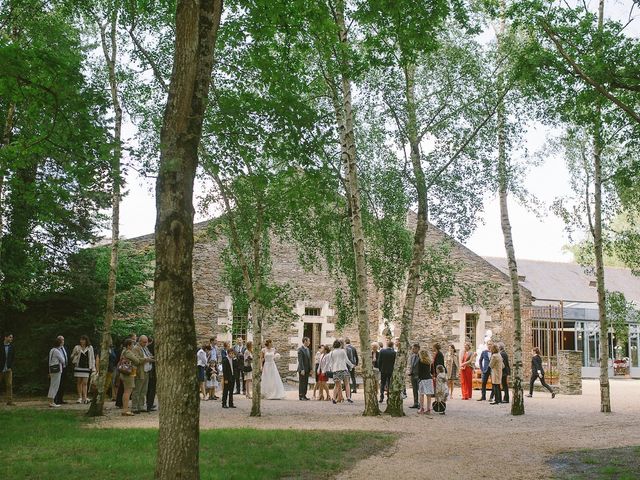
538, 237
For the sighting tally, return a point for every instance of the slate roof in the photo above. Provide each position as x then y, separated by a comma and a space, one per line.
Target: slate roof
553, 281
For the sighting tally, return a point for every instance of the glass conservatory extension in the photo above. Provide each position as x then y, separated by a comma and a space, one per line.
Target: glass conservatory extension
554, 329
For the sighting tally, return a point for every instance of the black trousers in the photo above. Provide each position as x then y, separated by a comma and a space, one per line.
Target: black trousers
385, 382
227, 392
485, 377
534, 376
60, 394
151, 390
414, 387
239, 381
353, 380
303, 384
505, 388
120, 393
495, 393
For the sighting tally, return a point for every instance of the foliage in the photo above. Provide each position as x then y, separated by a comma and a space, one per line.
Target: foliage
224, 453
620, 312
54, 150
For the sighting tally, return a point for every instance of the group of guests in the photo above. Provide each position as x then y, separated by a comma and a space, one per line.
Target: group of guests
220, 364
130, 378
338, 362
83, 360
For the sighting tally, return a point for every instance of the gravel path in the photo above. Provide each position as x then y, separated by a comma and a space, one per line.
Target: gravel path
473, 440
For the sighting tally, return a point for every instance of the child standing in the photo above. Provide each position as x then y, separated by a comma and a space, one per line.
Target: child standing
442, 392
425, 385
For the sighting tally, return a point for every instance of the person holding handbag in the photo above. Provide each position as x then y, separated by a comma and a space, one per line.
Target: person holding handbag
56, 365
84, 364
128, 366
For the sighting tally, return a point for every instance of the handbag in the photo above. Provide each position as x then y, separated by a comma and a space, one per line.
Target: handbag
54, 368
329, 374
124, 366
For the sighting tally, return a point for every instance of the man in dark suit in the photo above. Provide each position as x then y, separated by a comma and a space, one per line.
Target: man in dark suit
352, 355
414, 360
59, 400
240, 349
7, 357
386, 362
506, 371
228, 379
304, 368
485, 358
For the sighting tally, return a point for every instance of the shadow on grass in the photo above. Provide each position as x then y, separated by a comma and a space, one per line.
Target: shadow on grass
44, 445
612, 463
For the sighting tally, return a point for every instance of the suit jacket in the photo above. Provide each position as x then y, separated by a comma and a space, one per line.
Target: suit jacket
506, 369
414, 369
7, 358
386, 361
496, 368
65, 354
228, 372
536, 364
484, 361
304, 360
352, 354
136, 356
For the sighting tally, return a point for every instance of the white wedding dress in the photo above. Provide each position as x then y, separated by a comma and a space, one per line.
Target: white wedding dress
271, 384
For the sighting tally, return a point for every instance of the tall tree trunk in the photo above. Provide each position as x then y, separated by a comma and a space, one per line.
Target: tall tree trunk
517, 405
605, 400
7, 132
111, 58
395, 405
349, 162
257, 316
197, 24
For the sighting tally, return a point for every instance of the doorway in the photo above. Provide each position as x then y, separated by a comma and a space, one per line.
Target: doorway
313, 330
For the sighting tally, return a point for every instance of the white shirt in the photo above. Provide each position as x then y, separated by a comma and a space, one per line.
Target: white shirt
202, 358
147, 365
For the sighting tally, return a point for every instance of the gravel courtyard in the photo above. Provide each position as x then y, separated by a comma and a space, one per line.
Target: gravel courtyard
473, 440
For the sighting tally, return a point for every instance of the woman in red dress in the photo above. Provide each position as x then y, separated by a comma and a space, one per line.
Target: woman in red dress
466, 371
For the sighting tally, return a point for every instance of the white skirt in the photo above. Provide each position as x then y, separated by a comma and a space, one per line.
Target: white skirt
425, 387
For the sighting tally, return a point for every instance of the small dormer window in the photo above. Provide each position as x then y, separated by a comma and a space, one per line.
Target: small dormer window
522, 278
593, 283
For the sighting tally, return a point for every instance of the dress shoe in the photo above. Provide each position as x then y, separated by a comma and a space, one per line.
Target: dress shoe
481, 400
224, 406
553, 394
232, 406
349, 400
529, 396
495, 403
152, 408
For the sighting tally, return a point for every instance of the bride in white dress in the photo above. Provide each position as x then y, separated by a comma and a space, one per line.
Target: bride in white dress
271, 384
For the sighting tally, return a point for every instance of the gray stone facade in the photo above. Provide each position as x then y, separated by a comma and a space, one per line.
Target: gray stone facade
316, 305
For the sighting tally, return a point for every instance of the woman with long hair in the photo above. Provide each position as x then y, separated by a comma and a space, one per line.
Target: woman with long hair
322, 378
496, 364
84, 364
425, 381
452, 365
340, 366
467, 365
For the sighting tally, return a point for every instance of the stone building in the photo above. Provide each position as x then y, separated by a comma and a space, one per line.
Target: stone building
454, 323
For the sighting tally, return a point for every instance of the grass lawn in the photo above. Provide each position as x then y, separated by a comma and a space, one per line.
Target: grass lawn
44, 444
611, 463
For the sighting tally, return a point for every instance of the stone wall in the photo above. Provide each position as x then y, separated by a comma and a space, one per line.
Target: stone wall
570, 372
213, 304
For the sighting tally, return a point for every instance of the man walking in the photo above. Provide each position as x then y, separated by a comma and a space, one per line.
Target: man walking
506, 371
485, 358
304, 368
59, 399
7, 356
412, 368
352, 355
386, 362
240, 349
